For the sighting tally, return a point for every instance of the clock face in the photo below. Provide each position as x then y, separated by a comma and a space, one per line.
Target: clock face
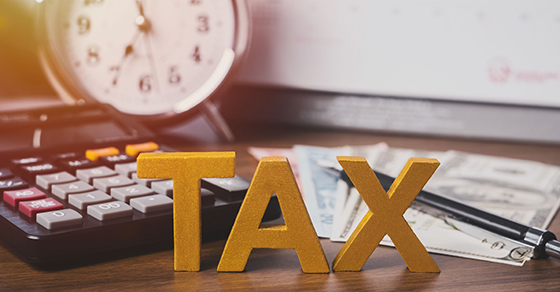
143, 57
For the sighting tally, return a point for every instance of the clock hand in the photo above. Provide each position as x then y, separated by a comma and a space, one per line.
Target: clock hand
143, 26
151, 58
143, 23
140, 7
127, 51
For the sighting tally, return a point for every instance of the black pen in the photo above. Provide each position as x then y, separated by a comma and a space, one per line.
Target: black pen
544, 242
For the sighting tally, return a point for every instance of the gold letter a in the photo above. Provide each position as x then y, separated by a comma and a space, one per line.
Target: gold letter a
273, 175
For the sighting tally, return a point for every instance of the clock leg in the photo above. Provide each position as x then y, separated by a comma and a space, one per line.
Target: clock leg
214, 118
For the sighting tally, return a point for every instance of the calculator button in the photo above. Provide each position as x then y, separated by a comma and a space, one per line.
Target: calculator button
126, 169
63, 190
110, 210
227, 189
30, 208
144, 181
59, 219
89, 174
126, 193
14, 197
107, 183
30, 171
65, 156
207, 197
46, 180
81, 201
135, 149
114, 159
12, 184
26, 160
5, 173
164, 187
75, 163
151, 204
94, 154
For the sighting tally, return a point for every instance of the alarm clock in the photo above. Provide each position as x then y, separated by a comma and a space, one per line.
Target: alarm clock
155, 60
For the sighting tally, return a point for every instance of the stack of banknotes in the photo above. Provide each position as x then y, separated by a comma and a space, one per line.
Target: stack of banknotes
524, 191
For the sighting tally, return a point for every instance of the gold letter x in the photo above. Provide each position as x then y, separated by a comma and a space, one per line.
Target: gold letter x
385, 215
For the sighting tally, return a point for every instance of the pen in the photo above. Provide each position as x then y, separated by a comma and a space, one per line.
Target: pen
543, 241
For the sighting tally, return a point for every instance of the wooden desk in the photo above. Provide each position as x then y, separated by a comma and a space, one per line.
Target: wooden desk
280, 269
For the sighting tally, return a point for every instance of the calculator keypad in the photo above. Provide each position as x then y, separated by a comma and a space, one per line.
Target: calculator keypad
106, 184
14, 183
30, 208
81, 201
89, 174
63, 190
152, 203
164, 187
124, 194
14, 197
46, 180
5, 173
100, 191
109, 210
59, 219
80, 204
126, 169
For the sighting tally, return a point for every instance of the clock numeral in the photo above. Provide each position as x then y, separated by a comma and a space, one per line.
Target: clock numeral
203, 24
196, 54
117, 70
92, 55
88, 2
83, 24
174, 76
145, 83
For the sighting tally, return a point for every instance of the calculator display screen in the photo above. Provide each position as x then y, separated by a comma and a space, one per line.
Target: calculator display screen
89, 132
62, 135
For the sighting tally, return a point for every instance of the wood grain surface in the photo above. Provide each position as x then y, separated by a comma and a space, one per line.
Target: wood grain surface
277, 270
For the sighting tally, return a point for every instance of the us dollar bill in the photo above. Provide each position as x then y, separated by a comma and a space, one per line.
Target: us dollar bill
381, 158
521, 190
524, 191
319, 184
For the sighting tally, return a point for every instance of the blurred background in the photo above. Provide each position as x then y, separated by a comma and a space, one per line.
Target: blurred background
22, 82
471, 69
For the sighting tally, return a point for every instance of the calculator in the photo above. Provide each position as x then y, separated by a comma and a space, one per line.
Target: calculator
69, 187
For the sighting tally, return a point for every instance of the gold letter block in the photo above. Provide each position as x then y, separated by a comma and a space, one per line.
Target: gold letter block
273, 175
186, 169
386, 215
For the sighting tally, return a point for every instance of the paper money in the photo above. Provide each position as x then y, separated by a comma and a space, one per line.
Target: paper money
436, 234
260, 152
350, 207
463, 240
319, 184
524, 191
381, 158
521, 190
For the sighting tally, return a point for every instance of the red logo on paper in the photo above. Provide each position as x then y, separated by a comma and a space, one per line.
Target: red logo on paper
501, 71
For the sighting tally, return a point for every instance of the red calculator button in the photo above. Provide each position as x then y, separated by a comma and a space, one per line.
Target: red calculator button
94, 154
30, 208
14, 197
